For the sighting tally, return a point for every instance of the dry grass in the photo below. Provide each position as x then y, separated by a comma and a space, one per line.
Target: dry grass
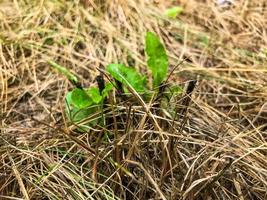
216, 150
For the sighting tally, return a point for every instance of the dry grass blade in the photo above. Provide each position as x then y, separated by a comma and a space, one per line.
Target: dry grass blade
149, 178
20, 181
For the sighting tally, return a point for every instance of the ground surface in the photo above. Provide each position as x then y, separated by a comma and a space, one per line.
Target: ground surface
216, 150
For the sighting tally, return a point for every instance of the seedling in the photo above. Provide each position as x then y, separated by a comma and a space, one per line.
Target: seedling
81, 102
174, 12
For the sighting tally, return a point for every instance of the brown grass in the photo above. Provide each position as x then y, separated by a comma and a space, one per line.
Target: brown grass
215, 150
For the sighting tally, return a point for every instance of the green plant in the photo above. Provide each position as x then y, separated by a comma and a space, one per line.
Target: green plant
174, 12
83, 102
157, 62
157, 58
127, 76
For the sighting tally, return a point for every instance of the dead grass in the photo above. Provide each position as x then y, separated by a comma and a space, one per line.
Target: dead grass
215, 150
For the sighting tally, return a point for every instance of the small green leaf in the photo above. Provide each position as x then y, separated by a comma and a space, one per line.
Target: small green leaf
64, 71
80, 114
107, 89
68, 98
171, 91
94, 94
128, 76
76, 114
80, 99
175, 90
174, 12
68, 104
157, 58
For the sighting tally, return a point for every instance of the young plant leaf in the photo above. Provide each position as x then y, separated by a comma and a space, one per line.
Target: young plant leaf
157, 58
128, 76
94, 94
80, 99
107, 89
81, 103
174, 12
76, 114
176, 89
68, 99
64, 71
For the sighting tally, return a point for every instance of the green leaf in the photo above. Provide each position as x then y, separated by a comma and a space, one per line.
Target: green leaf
107, 89
175, 90
157, 58
94, 94
68, 104
81, 114
80, 99
174, 12
76, 114
64, 71
68, 98
128, 76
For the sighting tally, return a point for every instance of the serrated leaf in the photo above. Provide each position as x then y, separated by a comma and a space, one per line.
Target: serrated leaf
80, 99
174, 12
94, 94
128, 76
157, 58
64, 71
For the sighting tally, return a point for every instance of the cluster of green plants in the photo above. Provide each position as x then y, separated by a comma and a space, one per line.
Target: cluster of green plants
83, 102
